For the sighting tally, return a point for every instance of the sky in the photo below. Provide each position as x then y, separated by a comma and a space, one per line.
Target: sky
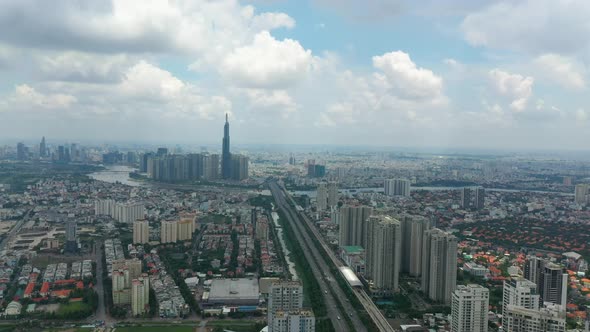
456, 73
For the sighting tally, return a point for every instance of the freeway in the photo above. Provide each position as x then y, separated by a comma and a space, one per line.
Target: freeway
333, 294
15, 229
374, 312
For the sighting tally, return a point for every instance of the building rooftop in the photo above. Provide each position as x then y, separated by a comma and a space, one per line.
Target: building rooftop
233, 289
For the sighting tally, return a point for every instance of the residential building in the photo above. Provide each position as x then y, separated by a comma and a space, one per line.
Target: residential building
301, 320
397, 187
519, 292
140, 295
439, 265
582, 192
352, 229
168, 231
469, 309
186, 227
412, 228
332, 194
384, 250
547, 319
322, 197
141, 231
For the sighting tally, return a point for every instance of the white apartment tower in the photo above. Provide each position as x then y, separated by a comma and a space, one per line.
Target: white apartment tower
469, 309
412, 228
284, 311
352, 229
397, 187
141, 231
332, 194
581, 194
384, 252
439, 265
168, 231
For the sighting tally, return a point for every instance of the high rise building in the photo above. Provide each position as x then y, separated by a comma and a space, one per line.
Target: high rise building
397, 187
582, 193
412, 228
20, 151
141, 231
554, 281
322, 197
533, 270
121, 290
225, 154
42, 148
466, 197
353, 220
332, 194
519, 292
239, 167
301, 320
469, 309
168, 231
384, 250
439, 265
162, 152
546, 319
128, 212
140, 296
284, 311
104, 207
71, 236
479, 199
311, 168
186, 227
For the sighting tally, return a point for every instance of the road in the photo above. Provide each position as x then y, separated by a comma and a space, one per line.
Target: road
99, 287
333, 294
374, 312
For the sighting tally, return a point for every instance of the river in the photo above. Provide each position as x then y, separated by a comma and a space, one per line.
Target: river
114, 174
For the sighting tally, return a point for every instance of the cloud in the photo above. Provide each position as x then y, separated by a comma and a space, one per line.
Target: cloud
83, 67
535, 26
402, 75
513, 86
560, 69
278, 101
152, 26
267, 63
26, 99
581, 115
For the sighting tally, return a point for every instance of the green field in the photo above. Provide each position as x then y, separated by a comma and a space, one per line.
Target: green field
71, 307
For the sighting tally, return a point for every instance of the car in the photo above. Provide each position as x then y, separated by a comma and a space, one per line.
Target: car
325, 292
338, 317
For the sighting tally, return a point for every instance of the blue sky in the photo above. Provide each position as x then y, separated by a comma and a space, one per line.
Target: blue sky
458, 73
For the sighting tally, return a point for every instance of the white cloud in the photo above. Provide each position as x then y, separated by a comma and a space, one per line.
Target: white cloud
513, 86
26, 99
581, 115
560, 69
148, 81
83, 67
537, 26
402, 75
267, 63
272, 100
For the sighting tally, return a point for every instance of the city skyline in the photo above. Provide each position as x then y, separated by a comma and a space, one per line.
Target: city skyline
421, 75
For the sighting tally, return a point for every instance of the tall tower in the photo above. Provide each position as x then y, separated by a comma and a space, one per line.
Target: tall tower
42, 148
470, 309
439, 265
225, 154
384, 253
353, 219
413, 228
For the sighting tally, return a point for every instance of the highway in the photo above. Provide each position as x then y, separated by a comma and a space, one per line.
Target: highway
368, 304
333, 294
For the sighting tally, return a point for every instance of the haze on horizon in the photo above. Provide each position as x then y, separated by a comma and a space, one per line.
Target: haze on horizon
466, 74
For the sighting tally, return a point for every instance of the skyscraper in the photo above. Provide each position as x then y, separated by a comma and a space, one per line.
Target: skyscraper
466, 197
168, 231
332, 193
353, 219
397, 187
469, 309
20, 151
479, 199
582, 191
322, 197
71, 236
42, 148
554, 282
225, 154
412, 228
384, 250
140, 295
533, 270
439, 265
